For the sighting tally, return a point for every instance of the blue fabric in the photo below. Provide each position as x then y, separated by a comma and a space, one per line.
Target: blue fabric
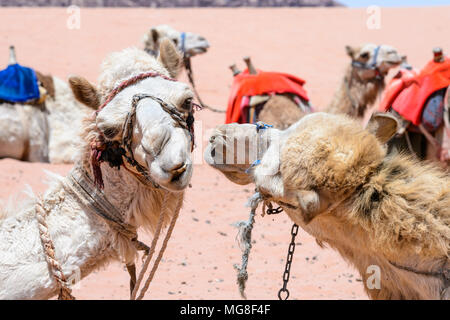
18, 84
433, 113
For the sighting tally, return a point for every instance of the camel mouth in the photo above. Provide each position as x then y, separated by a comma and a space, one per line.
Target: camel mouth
178, 182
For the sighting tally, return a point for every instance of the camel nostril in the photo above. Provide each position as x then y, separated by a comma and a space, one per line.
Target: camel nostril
213, 153
178, 169
177, 172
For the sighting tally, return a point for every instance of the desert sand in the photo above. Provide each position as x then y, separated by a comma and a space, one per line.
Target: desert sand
308, 43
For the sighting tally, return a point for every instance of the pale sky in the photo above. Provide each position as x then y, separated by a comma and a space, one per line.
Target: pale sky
394, 3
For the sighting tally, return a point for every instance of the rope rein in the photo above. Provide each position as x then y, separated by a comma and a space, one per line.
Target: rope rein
190, 74
161, 251
65, 293
245, 242
151, 251
89, 195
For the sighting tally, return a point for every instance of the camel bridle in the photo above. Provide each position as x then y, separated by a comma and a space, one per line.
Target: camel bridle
372, 65
114, 152
88, 192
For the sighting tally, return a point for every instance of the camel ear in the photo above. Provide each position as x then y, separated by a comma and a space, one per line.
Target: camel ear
154, 35
84, 92
383, 125
169, 57
350, 51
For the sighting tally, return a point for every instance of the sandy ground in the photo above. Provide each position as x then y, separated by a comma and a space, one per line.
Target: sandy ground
305, 42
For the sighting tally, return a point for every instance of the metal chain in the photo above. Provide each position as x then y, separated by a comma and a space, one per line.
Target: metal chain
287, 269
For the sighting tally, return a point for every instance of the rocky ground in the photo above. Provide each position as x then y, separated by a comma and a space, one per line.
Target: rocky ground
171, 3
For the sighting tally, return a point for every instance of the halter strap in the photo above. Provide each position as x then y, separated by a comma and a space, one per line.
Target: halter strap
372, 65
183, 43
123, 148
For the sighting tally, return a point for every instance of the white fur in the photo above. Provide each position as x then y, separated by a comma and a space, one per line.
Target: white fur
83, 241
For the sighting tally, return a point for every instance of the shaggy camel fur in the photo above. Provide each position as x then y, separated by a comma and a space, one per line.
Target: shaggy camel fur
47, 134
194, 44
83, 241
363, 79
336, 182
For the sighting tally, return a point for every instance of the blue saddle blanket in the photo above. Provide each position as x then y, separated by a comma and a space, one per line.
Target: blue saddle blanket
18, 84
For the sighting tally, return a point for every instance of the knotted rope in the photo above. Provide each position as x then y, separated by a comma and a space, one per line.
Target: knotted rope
153, 247
65, 293
245, 242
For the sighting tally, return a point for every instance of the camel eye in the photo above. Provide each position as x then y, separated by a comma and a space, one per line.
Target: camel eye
187, 105
364, 55
175, 41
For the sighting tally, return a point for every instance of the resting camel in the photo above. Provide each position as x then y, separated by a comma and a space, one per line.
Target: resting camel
189, 43
333, 178
363, 79
142, 127
43, 131
362, 83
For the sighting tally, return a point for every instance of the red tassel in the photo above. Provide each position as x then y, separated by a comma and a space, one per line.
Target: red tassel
96, 154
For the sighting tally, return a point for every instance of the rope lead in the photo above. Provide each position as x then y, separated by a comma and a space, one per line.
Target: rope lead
245, 242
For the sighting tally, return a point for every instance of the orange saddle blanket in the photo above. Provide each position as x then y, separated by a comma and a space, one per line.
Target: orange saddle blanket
246, 84
408, 92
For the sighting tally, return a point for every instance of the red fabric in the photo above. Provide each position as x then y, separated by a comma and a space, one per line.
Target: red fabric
245, 84
408, 93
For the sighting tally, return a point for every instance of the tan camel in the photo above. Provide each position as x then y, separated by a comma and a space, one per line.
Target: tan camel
139, 128
278, 110
363, 79
384, 213
362, 83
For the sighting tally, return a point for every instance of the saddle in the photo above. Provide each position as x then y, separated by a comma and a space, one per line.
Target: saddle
23, 85
253, 90
414, 93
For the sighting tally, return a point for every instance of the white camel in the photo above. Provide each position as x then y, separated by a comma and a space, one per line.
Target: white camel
189, 43
47, 132
141, 129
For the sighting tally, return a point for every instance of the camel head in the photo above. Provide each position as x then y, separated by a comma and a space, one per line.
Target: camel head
189, 43
372, 61
233, 150
158, 142
328, 157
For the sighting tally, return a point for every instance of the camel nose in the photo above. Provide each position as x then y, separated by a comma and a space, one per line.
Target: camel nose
178, 169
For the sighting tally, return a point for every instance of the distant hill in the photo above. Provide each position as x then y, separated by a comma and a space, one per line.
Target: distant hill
170, 3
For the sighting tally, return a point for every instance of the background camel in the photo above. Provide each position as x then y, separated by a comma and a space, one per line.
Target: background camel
363, 80
45, 130
333, 179
362, 83
192, 44
83, 241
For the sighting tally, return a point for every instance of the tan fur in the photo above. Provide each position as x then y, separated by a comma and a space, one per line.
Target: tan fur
47, 83
364, 93
281, 112
84, 92
169, 57
327, 163
390, 209
360, 87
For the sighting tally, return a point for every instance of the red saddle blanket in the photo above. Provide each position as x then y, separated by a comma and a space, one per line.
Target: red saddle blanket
246, 84
408, 91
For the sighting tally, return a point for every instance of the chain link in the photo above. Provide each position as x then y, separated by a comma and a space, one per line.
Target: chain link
287, 269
